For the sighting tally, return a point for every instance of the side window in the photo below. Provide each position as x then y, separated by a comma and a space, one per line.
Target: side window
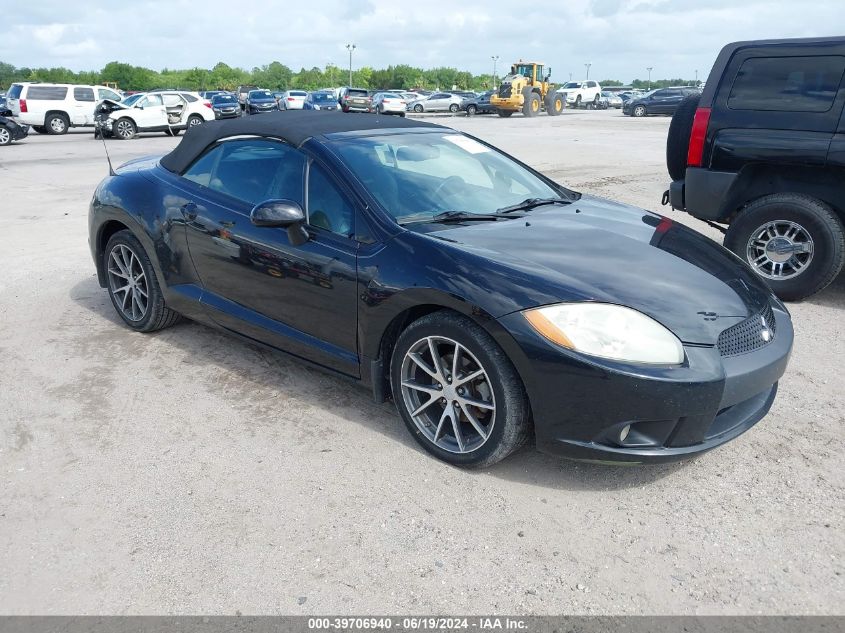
251, 170
172, 100
328, 207
102, 93
83, 94
150, 100
189, 97
591, 84
787, 84
46, 93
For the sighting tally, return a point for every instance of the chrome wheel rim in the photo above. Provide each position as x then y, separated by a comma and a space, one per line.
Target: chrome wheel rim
195, 121
5, 137
124, 129
128, 283
448, 394
780, 249
57, 124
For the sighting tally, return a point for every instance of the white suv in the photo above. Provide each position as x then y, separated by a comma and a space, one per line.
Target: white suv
54, 108
168, 111
580, 93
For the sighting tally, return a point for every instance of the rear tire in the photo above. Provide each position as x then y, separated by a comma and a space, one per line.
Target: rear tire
505, 416
5, 136
554, 104
789, 220
454, 107
125, 258
578, 101
677, 140
195, 120
57, 124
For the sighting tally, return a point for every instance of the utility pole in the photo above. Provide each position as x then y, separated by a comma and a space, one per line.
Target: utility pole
696, 78
495, 58
588, 64
350, 48
330, 70
570, 76
649, 69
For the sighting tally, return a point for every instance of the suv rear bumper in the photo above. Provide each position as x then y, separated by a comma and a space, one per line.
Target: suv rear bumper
703, 193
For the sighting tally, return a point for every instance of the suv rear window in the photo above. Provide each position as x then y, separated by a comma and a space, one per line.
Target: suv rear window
15, 91
354, 92
82, 94
47, 93
787, 84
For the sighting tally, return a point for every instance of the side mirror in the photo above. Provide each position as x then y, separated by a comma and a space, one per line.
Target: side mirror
281, 213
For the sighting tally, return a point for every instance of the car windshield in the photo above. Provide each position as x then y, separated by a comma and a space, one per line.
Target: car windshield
131, 99
260, 94
415, 176
223, 99
573, 84
322, 97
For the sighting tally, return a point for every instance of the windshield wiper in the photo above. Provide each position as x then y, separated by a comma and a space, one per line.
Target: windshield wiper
530, 203
457, 216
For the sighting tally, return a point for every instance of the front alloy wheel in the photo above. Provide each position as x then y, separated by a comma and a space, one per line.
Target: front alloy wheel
5, 136
457, 391
448, 394
639, 111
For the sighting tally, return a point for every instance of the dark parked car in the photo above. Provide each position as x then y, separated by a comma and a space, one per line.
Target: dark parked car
242, 92
490, 305
662, 101
320, 100
478, 105
11, 131
260, 101
355, 100
225, 106
762, 153
4, 108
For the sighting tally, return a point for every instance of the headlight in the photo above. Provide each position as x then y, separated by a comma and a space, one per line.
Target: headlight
608, 331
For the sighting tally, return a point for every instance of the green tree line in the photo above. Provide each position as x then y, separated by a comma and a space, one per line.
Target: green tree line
274, 76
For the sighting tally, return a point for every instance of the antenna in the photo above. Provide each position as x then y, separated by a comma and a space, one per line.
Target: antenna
106, 147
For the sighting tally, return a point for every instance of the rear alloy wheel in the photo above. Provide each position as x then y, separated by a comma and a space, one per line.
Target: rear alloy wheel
5, 135
640, 111
57, 124
125, 129
457, 391
132, 285
454, 108
793, 241
195, 120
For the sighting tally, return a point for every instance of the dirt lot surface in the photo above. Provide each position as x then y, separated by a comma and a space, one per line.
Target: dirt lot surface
186, 472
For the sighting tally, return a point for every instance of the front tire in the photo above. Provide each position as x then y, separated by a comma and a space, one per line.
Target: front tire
5, 135
479, 414
418, 108
639, 111
454, 107
125, 129
530, 103
794, 242
133, 287
471, 110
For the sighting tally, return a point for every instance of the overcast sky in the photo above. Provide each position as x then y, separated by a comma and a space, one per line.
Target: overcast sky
620, 38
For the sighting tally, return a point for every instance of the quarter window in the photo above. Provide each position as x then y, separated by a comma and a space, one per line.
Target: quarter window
251, 170
46, 93
787, 84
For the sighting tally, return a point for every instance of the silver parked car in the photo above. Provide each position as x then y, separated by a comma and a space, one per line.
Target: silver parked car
437, 102
610, 100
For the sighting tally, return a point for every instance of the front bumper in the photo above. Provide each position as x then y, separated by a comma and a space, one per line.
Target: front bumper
233, 114
582, 407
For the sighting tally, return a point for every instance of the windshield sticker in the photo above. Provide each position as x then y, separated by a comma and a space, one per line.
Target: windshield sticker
470, 145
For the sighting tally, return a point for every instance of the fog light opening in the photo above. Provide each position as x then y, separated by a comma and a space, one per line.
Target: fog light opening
623, 434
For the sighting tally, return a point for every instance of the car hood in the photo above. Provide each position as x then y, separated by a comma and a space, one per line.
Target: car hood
598, 250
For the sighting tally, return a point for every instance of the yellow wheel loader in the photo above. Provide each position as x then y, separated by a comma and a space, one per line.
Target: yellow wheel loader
527, 90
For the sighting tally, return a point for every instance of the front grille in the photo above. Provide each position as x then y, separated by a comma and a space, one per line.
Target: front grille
755, 332
505, 90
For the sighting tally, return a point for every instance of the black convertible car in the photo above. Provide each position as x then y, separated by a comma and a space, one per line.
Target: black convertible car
489, 302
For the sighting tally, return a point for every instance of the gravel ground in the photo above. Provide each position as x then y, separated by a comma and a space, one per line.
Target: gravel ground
186, 472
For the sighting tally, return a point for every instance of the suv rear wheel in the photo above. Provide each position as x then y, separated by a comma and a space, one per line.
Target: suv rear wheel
57, 123
795, 242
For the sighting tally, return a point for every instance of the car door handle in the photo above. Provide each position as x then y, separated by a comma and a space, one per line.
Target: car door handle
189, 210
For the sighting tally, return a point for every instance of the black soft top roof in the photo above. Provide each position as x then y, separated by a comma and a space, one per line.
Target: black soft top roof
294, 126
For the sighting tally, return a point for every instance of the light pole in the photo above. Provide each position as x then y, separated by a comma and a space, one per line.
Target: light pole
330, 70
570, 76
587, 65
696, 78
495, 58
649, 69
350, 48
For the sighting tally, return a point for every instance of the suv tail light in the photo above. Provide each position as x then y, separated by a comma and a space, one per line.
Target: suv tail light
207, 104
696, 137
22, 104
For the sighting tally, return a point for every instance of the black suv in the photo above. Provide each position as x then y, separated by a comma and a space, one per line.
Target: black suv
761, 156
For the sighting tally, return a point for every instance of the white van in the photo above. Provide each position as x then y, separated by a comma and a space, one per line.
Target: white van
54, 108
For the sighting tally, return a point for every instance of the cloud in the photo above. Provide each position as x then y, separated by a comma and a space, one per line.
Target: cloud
619, 38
